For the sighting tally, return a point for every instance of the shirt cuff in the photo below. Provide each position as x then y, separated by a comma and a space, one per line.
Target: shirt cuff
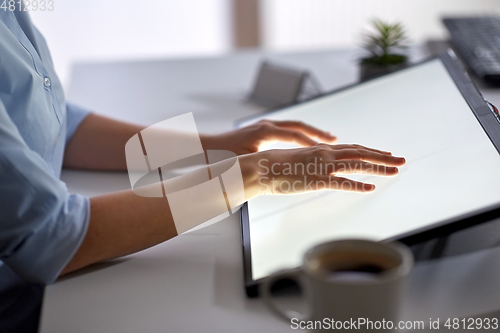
74, 116
49, 249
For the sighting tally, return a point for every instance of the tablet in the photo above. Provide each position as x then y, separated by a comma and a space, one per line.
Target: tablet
430, 113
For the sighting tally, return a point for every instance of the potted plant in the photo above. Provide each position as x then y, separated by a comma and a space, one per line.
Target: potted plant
385, 47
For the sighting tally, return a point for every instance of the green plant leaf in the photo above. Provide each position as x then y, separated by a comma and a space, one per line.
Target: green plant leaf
386, 38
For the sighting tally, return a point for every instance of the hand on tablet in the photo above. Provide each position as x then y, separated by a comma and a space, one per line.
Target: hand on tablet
248, 139
293, 171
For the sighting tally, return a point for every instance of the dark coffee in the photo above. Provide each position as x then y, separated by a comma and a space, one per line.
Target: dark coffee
352, 266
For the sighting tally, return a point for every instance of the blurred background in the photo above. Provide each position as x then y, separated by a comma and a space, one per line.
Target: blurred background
96, 30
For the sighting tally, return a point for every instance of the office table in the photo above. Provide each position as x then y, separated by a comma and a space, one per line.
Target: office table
194, 282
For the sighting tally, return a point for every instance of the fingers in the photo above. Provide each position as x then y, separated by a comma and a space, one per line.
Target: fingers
369, 156
317, 183
360, 167
306, 129
354, 146
343, 184
288, 135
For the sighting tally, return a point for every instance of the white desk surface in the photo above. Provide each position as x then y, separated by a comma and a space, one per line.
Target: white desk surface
194, 283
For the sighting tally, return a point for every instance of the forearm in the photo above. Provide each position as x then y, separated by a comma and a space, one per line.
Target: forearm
99, 144
123, 223
120, 224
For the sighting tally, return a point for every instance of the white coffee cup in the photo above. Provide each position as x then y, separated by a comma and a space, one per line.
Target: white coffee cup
345, 282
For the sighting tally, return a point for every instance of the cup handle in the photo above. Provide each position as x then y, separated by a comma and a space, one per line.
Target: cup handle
267, 284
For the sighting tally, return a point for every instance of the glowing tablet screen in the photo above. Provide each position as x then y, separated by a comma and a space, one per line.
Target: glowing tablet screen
419, 113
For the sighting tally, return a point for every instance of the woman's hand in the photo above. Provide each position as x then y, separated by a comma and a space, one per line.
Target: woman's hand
292, 171
248, 139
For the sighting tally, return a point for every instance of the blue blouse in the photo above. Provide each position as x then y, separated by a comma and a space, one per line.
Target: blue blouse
41, 224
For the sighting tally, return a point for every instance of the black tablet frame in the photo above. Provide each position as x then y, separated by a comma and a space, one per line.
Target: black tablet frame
491, 125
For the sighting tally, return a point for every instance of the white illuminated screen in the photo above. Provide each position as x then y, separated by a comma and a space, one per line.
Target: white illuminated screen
452, 167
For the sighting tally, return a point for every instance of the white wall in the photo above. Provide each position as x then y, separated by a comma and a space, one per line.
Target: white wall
300, 24
130, 29
83, 30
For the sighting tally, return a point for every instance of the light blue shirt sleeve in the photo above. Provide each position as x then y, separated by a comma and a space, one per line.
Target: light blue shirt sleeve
41, 224
75, 114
